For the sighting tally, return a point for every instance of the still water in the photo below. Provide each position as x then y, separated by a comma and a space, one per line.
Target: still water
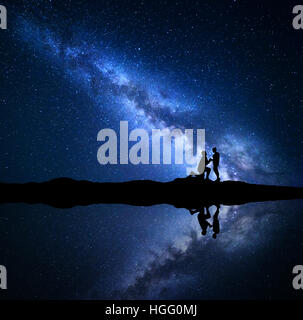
157, 252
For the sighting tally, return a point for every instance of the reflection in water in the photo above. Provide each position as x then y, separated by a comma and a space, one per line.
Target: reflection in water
216, 223
203, 217
246, 241
159, 254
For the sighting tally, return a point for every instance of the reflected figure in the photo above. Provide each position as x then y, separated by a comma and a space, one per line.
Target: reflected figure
202, 218
216, 161
216, 223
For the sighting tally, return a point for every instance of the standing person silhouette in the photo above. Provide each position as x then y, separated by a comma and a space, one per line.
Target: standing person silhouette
216, 161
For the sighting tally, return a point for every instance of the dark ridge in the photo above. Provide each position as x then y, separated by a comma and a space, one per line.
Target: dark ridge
190, 192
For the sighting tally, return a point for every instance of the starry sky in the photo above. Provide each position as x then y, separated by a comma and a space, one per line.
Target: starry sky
72, 68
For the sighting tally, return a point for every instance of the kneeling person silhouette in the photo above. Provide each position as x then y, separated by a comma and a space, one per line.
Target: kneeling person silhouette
202, 167
202, 218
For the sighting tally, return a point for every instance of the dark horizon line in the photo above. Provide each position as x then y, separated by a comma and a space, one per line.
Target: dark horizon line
189, 192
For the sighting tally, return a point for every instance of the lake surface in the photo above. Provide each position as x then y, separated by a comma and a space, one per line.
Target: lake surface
158, 252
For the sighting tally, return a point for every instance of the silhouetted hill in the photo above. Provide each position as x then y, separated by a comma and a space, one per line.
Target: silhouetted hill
188, 192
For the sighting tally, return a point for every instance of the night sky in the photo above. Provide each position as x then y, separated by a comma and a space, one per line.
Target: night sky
72, 68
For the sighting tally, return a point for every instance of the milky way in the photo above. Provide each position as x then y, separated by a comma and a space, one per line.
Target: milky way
71, 70
140, 100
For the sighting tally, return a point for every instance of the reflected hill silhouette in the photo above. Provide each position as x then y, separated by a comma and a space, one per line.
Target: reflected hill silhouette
189, 193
